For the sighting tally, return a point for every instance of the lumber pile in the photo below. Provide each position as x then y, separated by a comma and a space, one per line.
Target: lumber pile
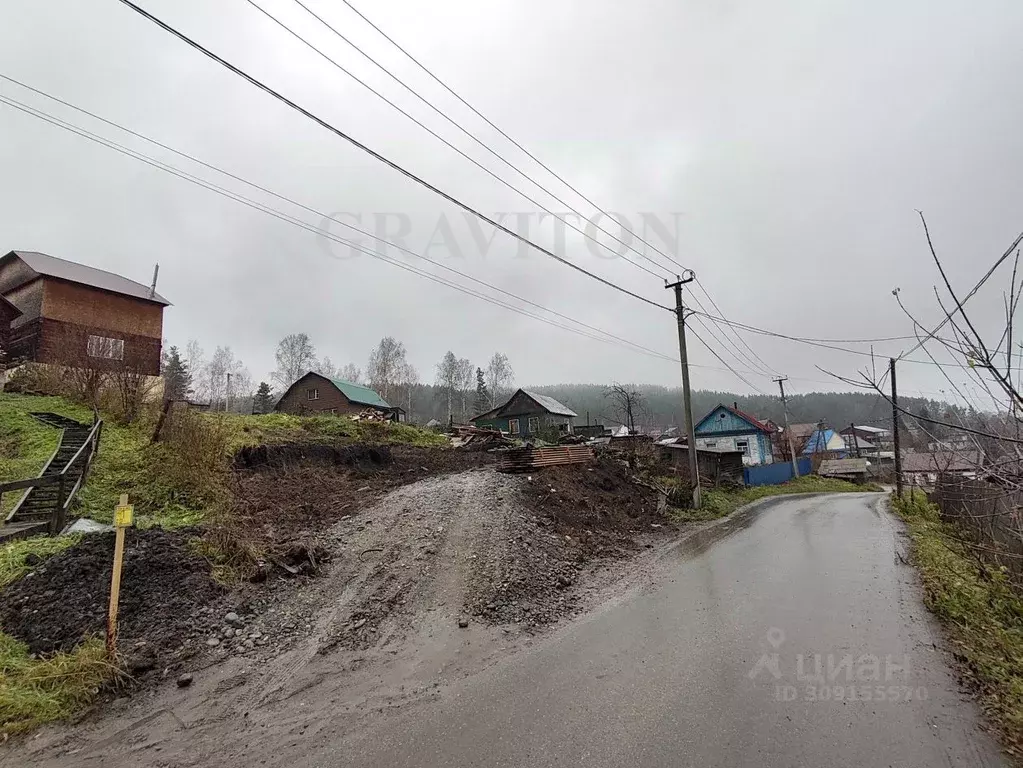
371, 414
530, 457
478, 438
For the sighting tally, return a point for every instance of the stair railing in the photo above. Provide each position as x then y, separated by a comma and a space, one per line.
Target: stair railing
84, 457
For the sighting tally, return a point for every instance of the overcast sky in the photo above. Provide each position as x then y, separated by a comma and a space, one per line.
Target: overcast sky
791, 141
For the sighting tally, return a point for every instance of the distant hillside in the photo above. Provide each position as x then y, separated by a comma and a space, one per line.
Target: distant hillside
664, 405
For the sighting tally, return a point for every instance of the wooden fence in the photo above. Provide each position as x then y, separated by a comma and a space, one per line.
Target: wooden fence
987, 513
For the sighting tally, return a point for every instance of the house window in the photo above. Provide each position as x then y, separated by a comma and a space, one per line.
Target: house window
710, 444
513, 426
312, 394
742, 445
534, 425
111, 349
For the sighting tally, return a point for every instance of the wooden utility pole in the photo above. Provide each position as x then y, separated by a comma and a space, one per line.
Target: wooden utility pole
855, 439
788, 433
895, 429
687, 398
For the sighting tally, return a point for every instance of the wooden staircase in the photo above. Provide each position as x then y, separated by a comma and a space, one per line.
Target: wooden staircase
43, 507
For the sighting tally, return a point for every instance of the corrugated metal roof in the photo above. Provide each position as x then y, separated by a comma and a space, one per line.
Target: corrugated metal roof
359, 394
51, 266
875, 430
942, 461
551, 405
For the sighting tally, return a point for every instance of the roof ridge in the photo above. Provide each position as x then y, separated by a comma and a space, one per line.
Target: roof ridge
80, 264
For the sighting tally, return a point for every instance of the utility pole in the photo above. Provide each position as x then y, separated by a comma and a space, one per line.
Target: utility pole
788, 433
227, 395
895, 429
687, 398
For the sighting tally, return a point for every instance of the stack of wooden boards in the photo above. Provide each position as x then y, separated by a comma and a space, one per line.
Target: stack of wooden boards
528, 457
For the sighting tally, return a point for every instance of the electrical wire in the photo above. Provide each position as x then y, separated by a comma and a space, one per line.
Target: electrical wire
606, 337
479, 114
455, 149
376, 155
78, 130
461, 128
734, 332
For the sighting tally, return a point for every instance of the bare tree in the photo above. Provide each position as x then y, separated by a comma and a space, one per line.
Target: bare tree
408, 379
626, 404
500, 376
295, 357
448, 379
385, 365
465, 382
350, 372
195, 358
326, 367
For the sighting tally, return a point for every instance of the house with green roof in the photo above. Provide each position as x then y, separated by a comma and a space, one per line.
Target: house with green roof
314, 394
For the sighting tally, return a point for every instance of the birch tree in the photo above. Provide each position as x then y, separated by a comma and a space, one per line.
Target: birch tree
500, 375
385, 366
448, 379
295, 357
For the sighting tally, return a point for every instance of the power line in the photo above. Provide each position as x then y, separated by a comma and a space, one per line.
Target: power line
457, 125
451, 146
321, 214
606, 337
734, 332
376, 155
479, 114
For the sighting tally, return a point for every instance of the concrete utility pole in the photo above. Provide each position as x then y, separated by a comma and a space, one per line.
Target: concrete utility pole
895, 429
788, 433
687, 398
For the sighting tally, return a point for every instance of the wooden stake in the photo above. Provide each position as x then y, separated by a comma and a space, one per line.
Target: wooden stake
121, 520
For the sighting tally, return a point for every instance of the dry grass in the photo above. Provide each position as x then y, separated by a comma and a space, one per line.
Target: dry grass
36, 691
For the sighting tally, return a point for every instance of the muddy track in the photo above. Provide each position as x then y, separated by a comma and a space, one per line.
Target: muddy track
393, 618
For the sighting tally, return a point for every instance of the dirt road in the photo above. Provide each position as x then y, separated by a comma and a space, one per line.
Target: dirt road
709, 659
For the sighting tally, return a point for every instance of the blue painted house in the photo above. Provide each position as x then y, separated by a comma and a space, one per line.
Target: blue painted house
729, 429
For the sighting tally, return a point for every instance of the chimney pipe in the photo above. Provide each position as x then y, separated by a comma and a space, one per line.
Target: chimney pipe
152, 288
735, 405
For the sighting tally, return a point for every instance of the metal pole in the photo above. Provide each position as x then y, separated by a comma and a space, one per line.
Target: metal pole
694, 470
788, 433
895, 429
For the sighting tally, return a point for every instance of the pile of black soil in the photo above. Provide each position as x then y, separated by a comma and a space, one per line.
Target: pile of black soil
64, 600
290, 455
598, 505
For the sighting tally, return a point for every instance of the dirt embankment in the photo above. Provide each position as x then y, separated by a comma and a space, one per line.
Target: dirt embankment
64, 600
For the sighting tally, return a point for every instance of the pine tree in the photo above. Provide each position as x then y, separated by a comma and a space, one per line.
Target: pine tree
176, 376
482, 402
263, 401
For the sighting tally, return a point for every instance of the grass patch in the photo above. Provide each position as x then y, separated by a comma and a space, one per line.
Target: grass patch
35, 691
719, 502
980, 610
284, 428
13, 556
185, 477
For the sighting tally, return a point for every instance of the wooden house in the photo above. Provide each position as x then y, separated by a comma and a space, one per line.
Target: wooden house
73, 314
728, 428
528, 414
314, 394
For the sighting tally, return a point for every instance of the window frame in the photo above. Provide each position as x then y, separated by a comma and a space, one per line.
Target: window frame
513, 427
313, 393
104, 347
530, 422
744, 446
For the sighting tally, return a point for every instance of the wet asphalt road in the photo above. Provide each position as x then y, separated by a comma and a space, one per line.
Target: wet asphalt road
713, 666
